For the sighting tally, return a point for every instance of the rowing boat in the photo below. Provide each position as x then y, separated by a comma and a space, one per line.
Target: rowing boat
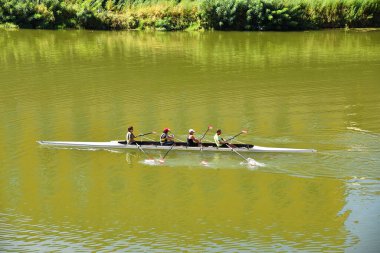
178, 146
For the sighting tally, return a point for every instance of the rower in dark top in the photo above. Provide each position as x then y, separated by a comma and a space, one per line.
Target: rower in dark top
166, 139
191, 140
130, 137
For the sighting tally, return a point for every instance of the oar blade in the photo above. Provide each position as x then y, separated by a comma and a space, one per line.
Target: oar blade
208, 128
150, 162
205, 163
251, 162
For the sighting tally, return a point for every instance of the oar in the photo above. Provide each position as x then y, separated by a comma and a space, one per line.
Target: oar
167, 152
209, 127
248, 160
200, 140
145, 134
233, 137
150, 160
140, 148
149, 139
177, 138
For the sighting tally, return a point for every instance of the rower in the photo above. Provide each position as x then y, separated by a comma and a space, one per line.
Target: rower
130, 137
219, 141
191, 140
165, 138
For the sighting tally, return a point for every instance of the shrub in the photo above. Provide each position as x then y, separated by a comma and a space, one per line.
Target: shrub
180, 15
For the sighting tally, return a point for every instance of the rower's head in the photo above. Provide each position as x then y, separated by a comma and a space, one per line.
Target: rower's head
130, 128
219, 131
191, 131
166, 130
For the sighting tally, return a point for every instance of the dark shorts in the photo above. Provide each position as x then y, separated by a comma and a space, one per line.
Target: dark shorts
169, 143
135, 142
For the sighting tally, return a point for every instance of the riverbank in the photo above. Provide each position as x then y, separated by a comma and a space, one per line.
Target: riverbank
244, 15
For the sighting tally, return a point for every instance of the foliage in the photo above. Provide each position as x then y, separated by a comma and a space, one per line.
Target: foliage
190, 14
9, 26
288, 15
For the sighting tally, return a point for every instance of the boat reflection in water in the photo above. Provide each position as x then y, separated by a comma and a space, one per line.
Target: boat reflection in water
133, 206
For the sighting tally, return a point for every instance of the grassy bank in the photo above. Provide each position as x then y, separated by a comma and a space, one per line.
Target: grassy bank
190, 14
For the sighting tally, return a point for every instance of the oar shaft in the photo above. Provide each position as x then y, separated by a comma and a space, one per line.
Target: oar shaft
144, 134
237, 152
168, 152
204, 134
233, 137
149, 139
140, 148
177, 138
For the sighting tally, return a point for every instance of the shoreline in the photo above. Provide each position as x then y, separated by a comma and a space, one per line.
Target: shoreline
361, 29
190, 15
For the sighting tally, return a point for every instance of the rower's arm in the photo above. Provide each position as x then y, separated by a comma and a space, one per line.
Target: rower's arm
195, 139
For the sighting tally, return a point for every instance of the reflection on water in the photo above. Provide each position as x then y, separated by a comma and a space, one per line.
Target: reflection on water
299, 90
119, 205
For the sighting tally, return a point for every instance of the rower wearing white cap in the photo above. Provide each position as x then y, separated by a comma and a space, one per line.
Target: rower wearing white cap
191, 140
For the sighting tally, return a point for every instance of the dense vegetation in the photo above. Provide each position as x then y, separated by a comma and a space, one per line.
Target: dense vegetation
189, 14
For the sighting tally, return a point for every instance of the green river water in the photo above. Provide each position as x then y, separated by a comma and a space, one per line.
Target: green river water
316, 90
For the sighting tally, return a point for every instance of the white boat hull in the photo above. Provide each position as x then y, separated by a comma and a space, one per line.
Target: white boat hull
205, 147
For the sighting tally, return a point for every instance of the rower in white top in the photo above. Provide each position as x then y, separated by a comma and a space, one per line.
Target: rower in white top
130, 137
